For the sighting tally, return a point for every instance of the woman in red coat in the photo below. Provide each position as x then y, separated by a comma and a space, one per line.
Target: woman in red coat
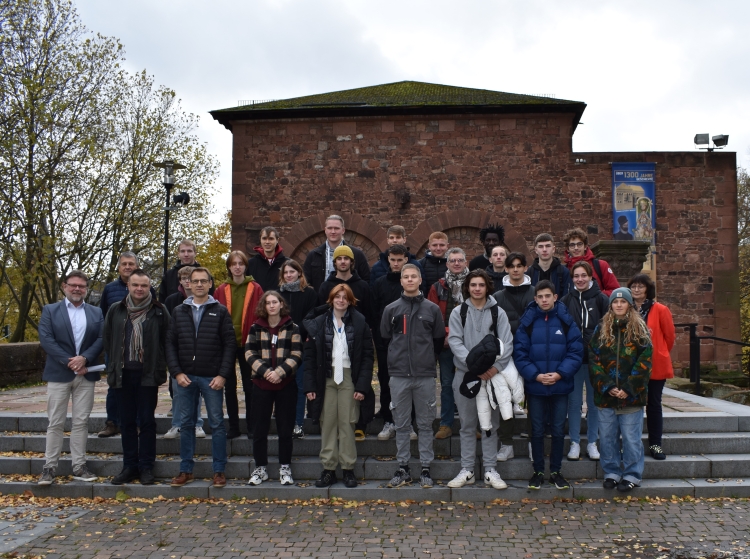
660, 323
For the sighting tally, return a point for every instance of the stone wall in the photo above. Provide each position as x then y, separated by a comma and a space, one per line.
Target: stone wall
459, 174
21, 363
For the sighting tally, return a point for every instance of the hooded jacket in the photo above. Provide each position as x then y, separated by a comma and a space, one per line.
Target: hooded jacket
433, 268
253, 293
315, 265
264, 272
382, 267
359, 287
622, 365
385, 291
496, 277
607, 282
319, 351
416, 332
587, 308
206, 351
155, 328
548, 349
514, 299
558, 275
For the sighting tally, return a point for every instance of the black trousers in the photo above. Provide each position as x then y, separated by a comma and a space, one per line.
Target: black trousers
230, 393
654, 417
137, 405
383, 378
285, 401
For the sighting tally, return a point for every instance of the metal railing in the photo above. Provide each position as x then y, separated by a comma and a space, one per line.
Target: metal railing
695, 351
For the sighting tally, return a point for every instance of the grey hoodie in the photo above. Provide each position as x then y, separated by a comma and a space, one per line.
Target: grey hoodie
414, 326
478, 323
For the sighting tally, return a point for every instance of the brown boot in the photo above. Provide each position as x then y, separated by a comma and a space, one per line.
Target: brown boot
182, 479
110, 429
220, 479
444, 432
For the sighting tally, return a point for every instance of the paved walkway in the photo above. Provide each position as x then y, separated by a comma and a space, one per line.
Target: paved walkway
170, 529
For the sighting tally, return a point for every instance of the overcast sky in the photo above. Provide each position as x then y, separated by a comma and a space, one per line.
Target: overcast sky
652, 73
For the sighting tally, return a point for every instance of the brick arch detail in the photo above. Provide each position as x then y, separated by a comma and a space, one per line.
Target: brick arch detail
462, 227
361, 232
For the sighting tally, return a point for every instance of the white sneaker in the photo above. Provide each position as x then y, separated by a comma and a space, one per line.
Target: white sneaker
258, 476
505, 453
200, 433
492, 478
575, 451
413, 435
285, 475
464, 477
518, 410
388, 432
531, 456
173, 433
593, 451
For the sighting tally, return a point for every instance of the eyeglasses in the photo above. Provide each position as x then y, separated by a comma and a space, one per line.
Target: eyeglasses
200, 282
186, 280
76, 286
637, 287
575, 245
454, 261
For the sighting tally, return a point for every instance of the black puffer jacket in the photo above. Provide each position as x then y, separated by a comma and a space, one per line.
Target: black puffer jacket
300, 304
318, 358
514, 300
433, 269
587, 308
212, 352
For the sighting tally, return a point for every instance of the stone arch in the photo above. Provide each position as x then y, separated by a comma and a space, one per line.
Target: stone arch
462, 227
361, 232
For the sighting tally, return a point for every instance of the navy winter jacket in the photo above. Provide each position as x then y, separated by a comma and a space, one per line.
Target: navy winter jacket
558, 275
548, 349
382, 267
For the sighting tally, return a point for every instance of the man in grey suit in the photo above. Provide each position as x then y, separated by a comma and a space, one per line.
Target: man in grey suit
71, 333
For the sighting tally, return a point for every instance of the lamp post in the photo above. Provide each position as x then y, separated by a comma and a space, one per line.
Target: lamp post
170, 167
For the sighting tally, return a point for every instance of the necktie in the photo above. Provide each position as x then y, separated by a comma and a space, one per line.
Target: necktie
338, 365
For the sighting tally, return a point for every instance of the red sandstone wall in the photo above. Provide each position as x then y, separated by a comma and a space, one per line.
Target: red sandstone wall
461, 173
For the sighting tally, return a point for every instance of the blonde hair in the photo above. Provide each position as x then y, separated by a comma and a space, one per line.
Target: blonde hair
636, 330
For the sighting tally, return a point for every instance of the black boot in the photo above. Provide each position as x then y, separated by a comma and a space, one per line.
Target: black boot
125, 476
327, 478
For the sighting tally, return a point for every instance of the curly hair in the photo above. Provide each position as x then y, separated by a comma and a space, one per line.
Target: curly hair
477, 274
636, 330
495, 228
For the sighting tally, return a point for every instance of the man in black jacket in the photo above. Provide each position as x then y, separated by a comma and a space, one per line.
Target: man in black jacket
515, 292
434, 264
490, 237
135, 335
201, 348
171, 281
344, 272
265, 265
547, 267
319, 262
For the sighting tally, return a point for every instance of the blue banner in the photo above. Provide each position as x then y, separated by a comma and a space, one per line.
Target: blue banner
633, 202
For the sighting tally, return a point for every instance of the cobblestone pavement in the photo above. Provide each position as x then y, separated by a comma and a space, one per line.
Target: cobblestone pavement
173, 529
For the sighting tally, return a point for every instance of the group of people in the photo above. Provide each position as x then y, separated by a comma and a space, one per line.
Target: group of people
501, 332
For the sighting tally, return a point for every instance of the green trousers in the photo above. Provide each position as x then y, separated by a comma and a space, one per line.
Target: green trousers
340, 414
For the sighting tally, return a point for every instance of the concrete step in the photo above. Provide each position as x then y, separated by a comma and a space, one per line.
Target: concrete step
376, 490
672, 443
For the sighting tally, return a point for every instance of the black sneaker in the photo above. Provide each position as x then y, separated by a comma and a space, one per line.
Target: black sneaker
609, 483
401, 477
349, 479
425, 480
125, 476
656, 452
559, 481
327, 478
537, 480
233, 433
147, 477
625, 486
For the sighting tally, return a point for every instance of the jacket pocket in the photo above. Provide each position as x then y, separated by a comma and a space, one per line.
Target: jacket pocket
427, 324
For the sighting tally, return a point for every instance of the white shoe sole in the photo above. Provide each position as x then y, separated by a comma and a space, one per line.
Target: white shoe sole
457, 484
503, 486
386, 438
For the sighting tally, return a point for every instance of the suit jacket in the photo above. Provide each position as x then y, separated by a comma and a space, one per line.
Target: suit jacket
56, 337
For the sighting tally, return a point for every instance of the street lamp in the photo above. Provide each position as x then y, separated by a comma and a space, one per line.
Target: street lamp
182, 199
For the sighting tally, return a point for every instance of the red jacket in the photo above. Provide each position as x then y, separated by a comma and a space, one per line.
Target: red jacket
662, 338
608, 282
223, 295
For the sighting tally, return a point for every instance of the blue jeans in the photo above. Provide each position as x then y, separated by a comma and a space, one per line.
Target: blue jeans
215, 410
112, 406
177, 410
447, 401
301, 398
575, 402
547, 411
630, 427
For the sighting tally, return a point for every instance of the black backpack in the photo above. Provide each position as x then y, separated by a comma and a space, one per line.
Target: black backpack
493, 312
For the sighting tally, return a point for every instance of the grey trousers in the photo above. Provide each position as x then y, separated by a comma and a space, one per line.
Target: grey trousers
467, 413
340, 413
81, 391
420, 392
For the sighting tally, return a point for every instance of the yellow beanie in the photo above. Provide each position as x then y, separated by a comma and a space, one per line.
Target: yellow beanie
343, 250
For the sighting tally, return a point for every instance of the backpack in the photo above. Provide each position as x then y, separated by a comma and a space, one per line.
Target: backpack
597, 268
493, 312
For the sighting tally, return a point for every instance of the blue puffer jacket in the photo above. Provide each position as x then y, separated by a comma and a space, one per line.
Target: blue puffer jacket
548, 349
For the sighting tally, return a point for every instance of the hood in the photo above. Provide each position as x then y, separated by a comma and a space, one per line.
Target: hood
591, 292
588, 256
526, 281
559, 309
490, 302
354, 279
259, 250
555, 263
245, 281
209, 301
264, 323
436, 259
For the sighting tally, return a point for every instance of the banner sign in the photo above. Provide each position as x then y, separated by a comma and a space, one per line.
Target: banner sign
633, 202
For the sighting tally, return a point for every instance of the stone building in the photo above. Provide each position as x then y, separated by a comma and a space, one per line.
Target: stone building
434, 157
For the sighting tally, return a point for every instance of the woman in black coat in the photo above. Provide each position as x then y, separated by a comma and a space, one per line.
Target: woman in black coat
338, 372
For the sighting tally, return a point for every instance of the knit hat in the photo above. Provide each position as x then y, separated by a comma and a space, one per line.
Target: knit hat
343, 250
621, 292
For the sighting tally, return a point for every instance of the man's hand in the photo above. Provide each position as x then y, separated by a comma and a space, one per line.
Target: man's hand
548, 379
272, 377
617, 393
488, 374
217, 383
359, 396
183, 380
82, 371
77, 363
311, 396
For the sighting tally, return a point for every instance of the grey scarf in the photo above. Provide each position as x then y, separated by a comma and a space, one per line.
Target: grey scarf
137, 315
455, 282
292, 286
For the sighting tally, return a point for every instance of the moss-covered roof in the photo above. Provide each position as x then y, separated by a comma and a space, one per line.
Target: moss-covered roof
407, 97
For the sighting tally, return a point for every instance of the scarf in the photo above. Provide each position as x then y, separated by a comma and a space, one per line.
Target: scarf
455, 282
292, 287
645, 308
137, 315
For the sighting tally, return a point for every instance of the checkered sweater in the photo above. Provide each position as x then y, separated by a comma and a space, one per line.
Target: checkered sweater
259, 351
